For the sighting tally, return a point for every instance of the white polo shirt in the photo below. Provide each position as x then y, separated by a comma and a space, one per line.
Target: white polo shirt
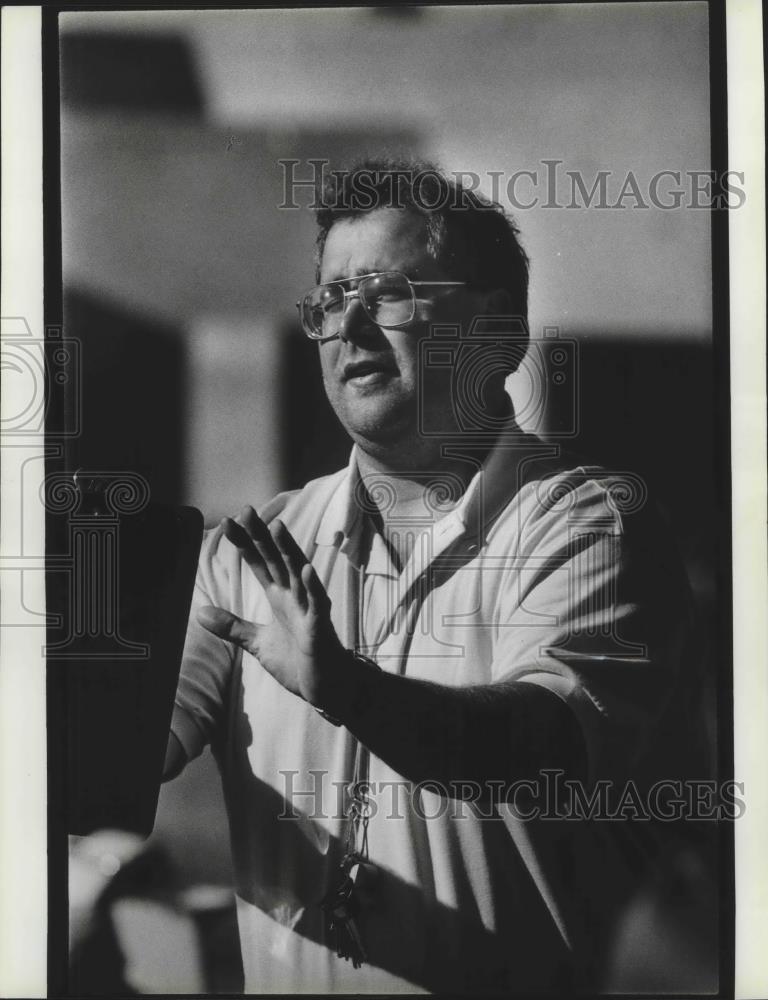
534, 576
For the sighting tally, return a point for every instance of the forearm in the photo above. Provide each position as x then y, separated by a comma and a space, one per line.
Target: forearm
492, 733
495, 733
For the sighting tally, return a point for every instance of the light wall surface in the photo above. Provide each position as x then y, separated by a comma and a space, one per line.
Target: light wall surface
615, 87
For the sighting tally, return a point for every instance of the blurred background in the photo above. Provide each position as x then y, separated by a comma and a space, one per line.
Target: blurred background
181, 273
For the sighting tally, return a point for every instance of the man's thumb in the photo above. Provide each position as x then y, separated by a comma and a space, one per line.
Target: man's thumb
228, 626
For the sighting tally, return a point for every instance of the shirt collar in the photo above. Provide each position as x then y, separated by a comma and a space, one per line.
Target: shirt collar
515, 457
342, 513
504, 470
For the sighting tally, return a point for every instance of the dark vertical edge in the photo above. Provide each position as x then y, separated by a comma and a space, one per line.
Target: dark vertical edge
55, 461
718, 79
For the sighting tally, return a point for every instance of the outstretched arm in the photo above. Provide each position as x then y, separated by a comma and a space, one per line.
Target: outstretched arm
499, 732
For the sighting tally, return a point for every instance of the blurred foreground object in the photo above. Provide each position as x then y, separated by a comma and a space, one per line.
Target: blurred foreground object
666, 940
133, 931
122, 573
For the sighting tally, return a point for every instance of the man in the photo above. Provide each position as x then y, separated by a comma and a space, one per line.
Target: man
387, 662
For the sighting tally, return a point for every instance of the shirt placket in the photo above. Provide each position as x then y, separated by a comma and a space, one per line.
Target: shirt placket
389, 639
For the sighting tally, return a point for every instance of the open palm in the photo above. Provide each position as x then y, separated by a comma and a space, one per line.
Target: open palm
299, 647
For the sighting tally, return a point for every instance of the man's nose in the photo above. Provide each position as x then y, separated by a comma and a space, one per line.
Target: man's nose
355, 322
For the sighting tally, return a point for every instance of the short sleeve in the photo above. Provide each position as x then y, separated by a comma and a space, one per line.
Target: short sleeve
207, 661
596, 609
200, 712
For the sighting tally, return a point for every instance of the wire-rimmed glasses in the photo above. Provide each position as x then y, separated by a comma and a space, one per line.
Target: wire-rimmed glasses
388, 298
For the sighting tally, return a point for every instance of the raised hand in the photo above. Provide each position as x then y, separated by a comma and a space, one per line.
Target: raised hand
299, 647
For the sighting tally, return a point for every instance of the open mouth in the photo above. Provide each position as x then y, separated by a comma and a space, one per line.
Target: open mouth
368, 371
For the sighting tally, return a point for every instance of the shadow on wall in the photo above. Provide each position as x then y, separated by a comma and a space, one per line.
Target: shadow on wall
313, 441
140, 73
132, 383
647, 405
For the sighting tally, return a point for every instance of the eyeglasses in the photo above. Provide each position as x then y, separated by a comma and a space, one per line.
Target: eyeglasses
388, 298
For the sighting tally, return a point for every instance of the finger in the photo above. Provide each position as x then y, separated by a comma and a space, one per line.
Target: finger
240, 538
246, 513
246, 516
294, 559
265, 543
230, 628
274, 507
317, 599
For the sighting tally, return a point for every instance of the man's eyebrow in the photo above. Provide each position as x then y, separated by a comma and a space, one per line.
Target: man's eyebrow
359, 273
414, 273
346, 277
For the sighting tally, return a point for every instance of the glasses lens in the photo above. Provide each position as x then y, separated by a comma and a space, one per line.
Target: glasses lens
387, 298
322, 310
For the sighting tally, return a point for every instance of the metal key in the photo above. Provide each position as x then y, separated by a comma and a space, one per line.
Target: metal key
342, 907
352, 943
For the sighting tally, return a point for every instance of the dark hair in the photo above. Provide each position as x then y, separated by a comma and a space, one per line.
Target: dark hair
469, 236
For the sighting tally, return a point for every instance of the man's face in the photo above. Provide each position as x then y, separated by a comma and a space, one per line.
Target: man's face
371, 374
